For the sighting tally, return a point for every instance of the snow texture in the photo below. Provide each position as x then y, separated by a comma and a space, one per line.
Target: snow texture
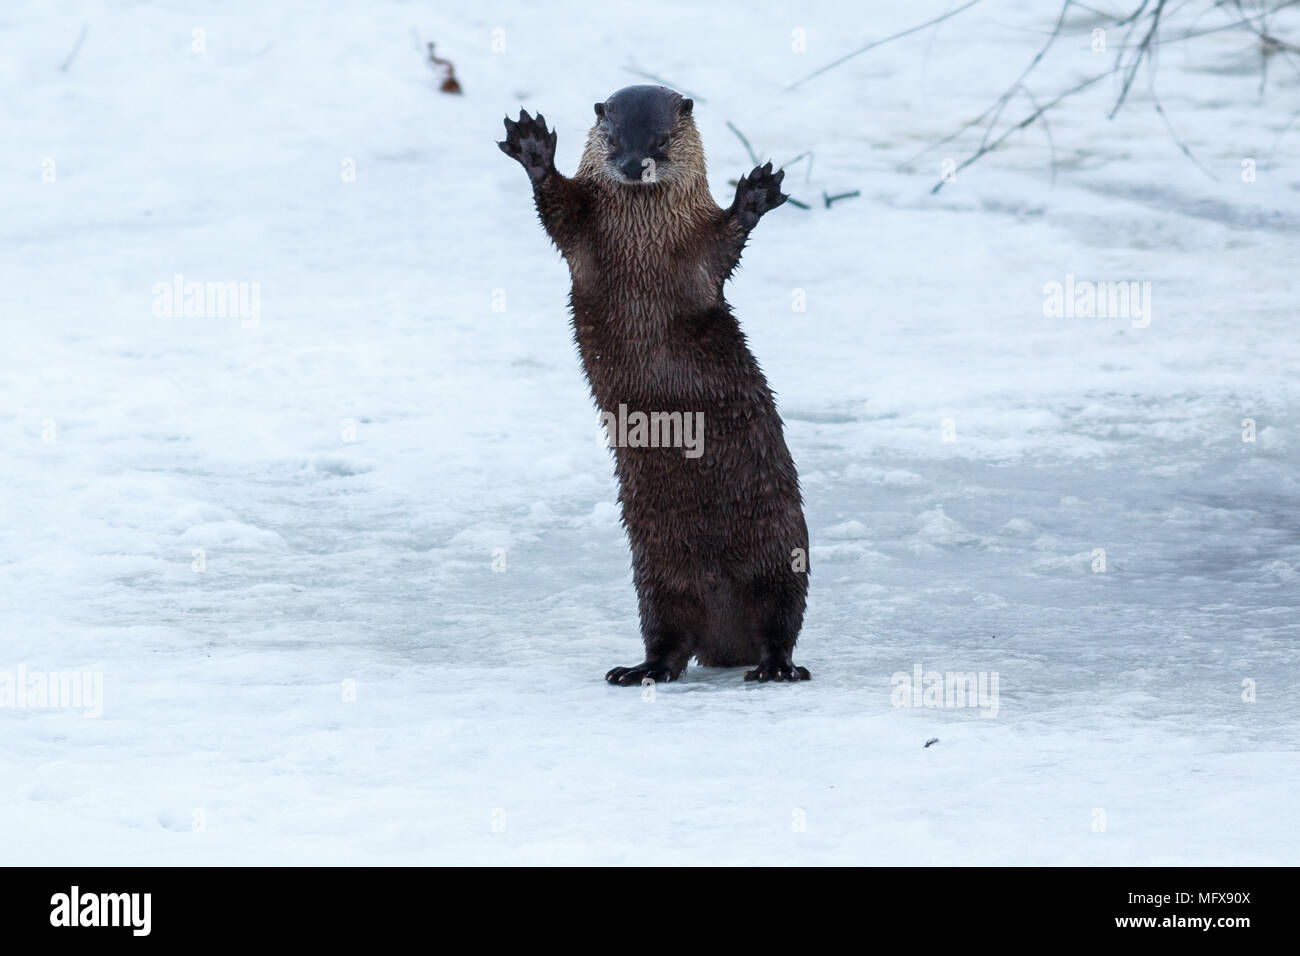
273, 535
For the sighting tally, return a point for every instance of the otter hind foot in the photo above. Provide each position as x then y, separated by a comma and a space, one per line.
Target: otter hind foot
655, 671
778, 670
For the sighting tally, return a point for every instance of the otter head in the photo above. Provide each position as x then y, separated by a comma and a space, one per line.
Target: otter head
644, 135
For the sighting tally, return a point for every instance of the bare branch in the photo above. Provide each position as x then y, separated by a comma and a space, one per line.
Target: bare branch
988, 147
872, 46
637, 71
1001, 102
753, 157
85, 28
1142, 51
1179, 142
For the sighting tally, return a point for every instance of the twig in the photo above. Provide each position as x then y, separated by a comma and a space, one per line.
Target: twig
636, 71
753, 157
1285, 130
1001, 102
85, 28
806, 154
1269, 46
1020, 80
1148, 17
1047, 128
828, 198
1178, 140
872, 46
449, 82
1132, 17
1143, 49
1094, 10
988, 147
1234, 25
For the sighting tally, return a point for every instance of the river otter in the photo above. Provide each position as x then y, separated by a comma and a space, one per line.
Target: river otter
719, 543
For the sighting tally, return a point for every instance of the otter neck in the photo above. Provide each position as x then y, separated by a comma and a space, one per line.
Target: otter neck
668, 209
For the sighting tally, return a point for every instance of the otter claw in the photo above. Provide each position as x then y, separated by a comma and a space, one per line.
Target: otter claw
758, 193
531, 144
778, 671
631, 676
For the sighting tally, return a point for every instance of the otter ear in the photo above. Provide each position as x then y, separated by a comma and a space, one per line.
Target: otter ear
600, 110
687, 106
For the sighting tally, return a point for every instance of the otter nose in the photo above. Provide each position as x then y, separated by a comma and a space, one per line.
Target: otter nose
631, 166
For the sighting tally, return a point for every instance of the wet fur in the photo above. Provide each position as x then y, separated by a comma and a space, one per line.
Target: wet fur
712, 538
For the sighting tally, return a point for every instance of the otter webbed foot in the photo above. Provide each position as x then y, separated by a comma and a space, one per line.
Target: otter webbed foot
531, 144
632, 676
778, 670
756, 194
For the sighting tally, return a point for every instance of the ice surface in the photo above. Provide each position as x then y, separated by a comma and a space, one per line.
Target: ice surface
346, 470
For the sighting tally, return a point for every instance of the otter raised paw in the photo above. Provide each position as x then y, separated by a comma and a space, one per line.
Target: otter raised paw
531, 144
758, 193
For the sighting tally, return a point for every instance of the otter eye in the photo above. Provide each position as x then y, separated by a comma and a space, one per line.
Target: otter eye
662, 144
613, 144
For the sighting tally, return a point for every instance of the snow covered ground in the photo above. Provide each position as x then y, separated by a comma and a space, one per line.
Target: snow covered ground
272, 534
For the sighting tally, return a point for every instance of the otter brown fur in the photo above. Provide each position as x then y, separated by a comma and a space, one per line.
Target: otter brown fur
719, 543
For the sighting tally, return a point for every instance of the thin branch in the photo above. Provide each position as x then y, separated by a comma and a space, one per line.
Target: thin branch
1020, 80
1142, 51
85, 28
1179, 142
637, 71
1132, 17
1146, 20
808, 155
753, 157
1234, 25
1047, 128
988, 147
872, 46
1285, 129
1001, 102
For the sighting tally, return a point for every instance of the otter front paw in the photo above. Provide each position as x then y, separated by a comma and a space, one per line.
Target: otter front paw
632, 676
758, 193
531, 144
778, 670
